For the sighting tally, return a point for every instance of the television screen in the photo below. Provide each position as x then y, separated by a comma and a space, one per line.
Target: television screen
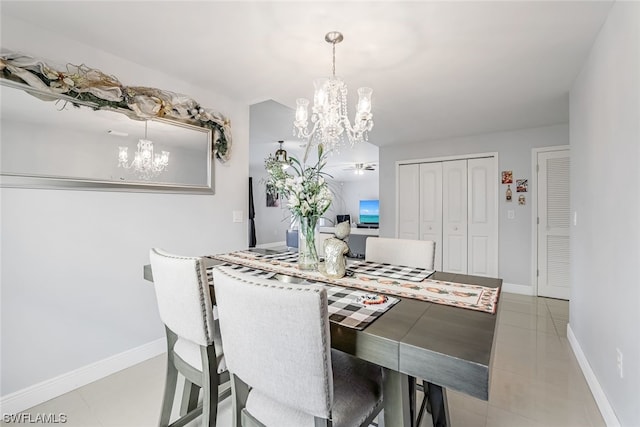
369, 211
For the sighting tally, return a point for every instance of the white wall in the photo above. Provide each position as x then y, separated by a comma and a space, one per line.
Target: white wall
514, 151
72, 286
605, 177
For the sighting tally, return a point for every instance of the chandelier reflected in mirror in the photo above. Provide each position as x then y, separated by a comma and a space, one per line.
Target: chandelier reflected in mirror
146, 164
330, 124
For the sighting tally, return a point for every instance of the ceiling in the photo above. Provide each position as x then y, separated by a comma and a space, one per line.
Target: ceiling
438, 69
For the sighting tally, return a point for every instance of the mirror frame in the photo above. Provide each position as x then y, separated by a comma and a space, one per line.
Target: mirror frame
81, 85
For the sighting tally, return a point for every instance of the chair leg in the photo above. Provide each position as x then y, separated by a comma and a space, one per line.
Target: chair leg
239, 394
170, 381
169, 394
210, 385
189, 397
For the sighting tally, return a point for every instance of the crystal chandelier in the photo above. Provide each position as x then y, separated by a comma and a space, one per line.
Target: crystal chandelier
330, 124
280, 157
145, 163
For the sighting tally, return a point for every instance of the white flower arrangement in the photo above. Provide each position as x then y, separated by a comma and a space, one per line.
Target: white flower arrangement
304, 187
308, 197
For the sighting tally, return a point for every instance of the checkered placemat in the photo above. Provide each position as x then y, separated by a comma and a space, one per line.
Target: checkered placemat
400, 272
241, 269
342, 302
291, 257
344, 310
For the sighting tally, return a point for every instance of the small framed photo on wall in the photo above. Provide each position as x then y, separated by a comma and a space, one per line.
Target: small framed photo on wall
507, 177
272, 198
521, 185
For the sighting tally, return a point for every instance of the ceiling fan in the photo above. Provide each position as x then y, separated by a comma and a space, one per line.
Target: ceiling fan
360, 168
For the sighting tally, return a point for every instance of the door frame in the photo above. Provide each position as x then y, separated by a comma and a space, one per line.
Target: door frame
534, 208
493, 154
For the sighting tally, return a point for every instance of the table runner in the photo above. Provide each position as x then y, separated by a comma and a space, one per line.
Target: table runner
412, 274
342, 306
469, 296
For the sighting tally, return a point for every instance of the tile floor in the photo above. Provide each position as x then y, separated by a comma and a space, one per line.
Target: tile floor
535, 381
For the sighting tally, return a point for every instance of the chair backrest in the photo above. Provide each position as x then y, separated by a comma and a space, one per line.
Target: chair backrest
276, 339
183, 295
412, 253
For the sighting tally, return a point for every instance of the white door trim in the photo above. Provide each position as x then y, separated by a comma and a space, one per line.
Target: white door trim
534, 209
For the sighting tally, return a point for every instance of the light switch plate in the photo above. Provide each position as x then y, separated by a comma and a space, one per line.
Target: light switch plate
237, 216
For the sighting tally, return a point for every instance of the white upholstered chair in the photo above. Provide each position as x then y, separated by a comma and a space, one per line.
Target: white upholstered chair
278, 348
410, 253
194, 347
421, 254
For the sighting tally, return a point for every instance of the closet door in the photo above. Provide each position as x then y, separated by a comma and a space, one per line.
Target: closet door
431, 207
454, 216
482, 227
409, 202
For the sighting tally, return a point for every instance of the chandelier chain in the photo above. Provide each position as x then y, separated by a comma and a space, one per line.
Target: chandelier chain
334, 59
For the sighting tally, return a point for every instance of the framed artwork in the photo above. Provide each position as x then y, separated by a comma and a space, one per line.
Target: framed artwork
507, 177
273, 201
521, 185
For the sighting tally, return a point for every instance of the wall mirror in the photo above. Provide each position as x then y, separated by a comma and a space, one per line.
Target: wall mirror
48, 142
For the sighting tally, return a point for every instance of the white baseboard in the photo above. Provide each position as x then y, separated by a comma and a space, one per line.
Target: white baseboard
272, 245
598, 394
54, 387
517, 289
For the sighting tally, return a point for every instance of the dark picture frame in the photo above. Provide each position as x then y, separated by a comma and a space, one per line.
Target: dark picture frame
273, 199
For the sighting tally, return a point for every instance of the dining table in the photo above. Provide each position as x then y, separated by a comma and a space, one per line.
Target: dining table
448, 346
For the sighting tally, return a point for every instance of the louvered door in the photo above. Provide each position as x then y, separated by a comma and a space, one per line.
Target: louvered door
553, 227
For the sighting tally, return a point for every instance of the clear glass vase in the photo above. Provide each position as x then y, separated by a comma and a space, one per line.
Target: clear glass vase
307, 253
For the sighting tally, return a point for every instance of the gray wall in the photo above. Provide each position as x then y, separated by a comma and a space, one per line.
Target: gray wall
514, 151
72, 287
605, 194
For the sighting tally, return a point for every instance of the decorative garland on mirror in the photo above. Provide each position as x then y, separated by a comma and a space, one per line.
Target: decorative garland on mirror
102, 91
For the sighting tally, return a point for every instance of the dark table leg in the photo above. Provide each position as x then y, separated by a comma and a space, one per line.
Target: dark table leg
439, 407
